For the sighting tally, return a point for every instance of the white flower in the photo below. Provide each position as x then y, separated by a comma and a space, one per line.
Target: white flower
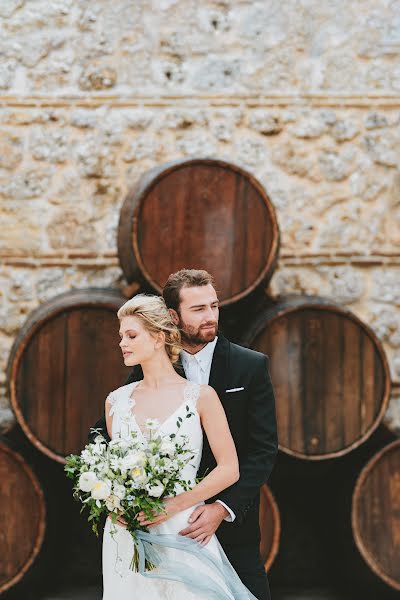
119, 491
156, 489
153, 461
139, 475
135, 459
87, 481
152, 424
97, 449
103, 468
116, 464
167, 464
88, 458
113, 503
167, 447
101, 490
99, 439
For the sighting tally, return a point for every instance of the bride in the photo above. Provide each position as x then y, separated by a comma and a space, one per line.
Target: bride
189, 569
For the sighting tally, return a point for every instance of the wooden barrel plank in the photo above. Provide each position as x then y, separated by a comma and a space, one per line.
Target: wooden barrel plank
22, 530
199, 213
62, 365
376, 514
330, 374
270, 527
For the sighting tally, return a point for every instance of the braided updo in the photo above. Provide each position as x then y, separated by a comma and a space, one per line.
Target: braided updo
154, 314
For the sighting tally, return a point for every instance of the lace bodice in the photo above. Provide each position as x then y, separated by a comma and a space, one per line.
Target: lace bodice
124, 422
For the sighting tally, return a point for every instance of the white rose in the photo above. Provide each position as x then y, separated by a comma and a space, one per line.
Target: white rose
156, 489
136, 459
119, 491
139, 476
87, 481
101, 490
113, 503
167, 447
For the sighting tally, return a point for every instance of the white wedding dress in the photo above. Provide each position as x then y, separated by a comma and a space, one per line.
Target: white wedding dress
119, 582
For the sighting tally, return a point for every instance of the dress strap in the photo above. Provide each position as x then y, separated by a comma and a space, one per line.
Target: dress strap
121, 400
192, 392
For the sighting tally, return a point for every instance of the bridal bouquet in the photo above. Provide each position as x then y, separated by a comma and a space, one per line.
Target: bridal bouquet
129, 475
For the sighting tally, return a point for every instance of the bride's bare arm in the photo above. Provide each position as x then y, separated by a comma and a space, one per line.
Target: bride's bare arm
108, 417
225, 474
216, 427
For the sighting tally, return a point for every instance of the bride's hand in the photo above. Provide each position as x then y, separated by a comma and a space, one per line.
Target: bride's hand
120, 521
171, 507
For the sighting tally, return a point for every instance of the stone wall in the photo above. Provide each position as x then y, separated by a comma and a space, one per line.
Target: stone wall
304, 94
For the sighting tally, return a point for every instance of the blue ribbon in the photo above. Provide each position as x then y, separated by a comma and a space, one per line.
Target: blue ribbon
216, 578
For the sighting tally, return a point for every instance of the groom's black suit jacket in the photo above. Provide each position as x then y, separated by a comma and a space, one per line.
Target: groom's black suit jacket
251, 416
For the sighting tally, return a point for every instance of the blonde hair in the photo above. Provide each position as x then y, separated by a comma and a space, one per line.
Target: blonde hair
155, 316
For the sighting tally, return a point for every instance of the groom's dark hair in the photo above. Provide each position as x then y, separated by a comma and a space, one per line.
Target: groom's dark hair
184, 278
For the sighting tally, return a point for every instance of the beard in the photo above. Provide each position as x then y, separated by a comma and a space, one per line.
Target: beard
196, 336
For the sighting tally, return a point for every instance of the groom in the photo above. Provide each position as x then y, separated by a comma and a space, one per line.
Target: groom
240, 378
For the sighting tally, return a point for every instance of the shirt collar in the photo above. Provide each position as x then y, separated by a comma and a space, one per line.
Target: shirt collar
204, 356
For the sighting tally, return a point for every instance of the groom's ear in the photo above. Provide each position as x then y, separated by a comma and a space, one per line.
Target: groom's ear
174, 315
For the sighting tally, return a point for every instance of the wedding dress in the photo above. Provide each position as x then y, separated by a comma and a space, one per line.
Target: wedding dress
188, 571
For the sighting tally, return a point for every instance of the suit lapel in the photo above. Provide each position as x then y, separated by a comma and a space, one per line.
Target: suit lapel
220, 366
179, 369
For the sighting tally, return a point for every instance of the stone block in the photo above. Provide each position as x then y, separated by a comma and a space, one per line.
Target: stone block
385, 321
386, 285
72, 228
367, 184
49, 145
27, 183
21, 234
392, 416
337, 166
294, 158
11, 150
384, 149
144, 146
346, 284
97, 77
345, 130
7, 73
265, 122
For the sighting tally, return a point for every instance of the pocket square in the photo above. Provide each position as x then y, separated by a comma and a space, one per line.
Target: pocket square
235, 389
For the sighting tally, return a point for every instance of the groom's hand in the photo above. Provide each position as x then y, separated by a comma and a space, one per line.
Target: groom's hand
204, 522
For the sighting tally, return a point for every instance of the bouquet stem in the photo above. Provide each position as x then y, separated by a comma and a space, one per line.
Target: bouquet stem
134, 565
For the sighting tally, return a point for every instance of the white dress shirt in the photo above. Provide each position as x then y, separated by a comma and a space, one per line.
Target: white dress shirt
197, 368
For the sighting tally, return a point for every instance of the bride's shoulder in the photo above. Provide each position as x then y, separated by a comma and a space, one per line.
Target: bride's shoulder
209, 404
206, 392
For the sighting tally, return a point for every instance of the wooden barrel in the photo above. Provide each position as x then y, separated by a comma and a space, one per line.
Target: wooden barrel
63, 363
376, 514
201, 214
270, 527
22, 517
330, 375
